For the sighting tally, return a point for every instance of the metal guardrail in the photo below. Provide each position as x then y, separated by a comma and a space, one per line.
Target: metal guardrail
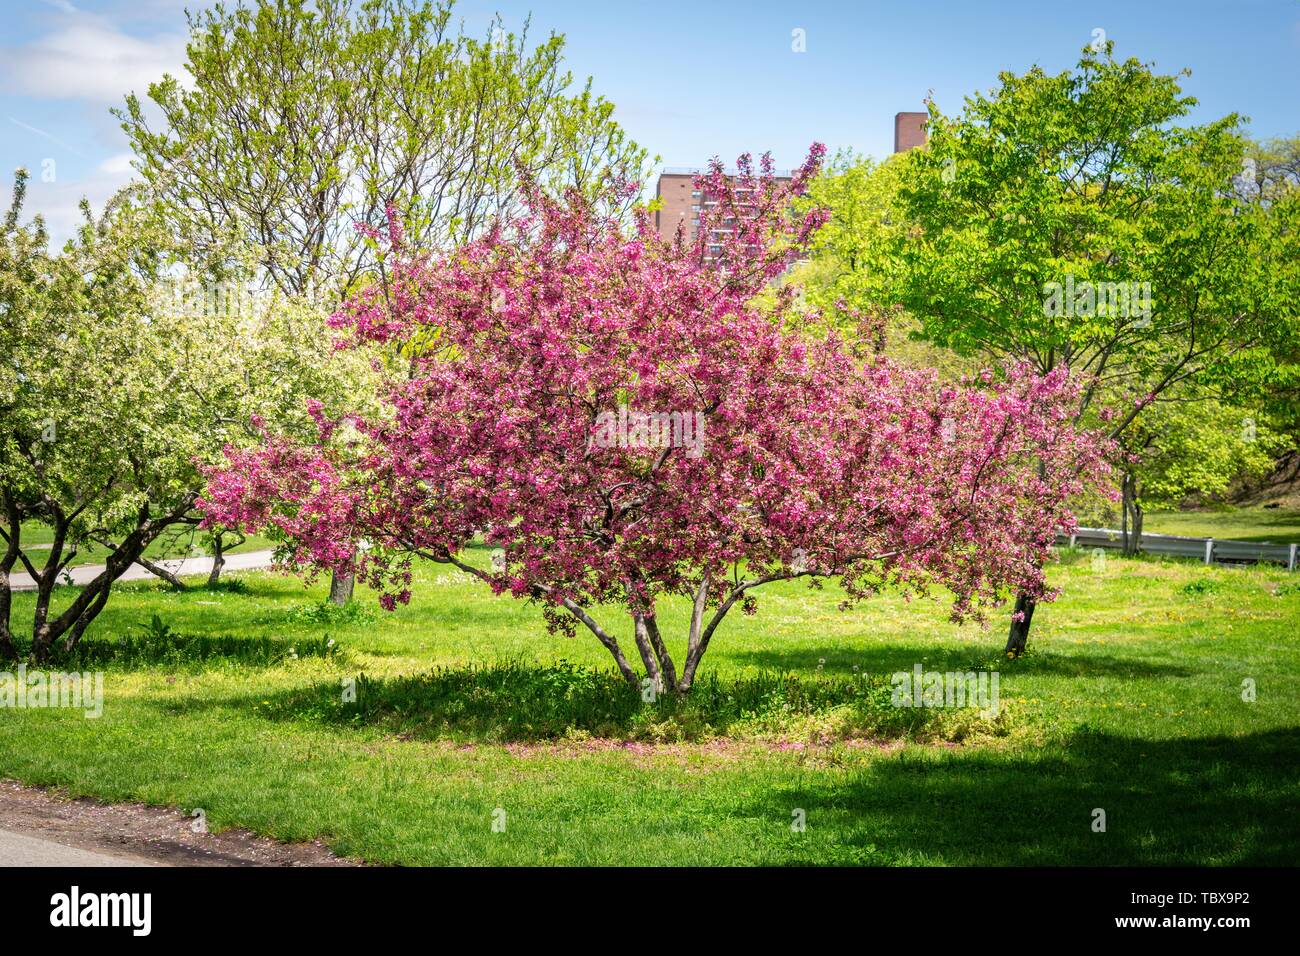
1208, 550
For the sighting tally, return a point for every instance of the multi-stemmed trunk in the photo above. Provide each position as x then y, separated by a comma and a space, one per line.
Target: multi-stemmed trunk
660, 669
219, 548
64, 630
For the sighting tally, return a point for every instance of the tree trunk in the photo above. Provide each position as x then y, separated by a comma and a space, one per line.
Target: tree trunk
1137, 520
1123, 513
219, 549
697, 641
1132, 522
41, 635
341, 586
642, 637
1018, 636
41, 644
666, 666
83, 620
218, 559
12, 522
8, 649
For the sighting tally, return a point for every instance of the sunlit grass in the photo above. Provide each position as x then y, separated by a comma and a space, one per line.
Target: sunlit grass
1130, 700
1275, 525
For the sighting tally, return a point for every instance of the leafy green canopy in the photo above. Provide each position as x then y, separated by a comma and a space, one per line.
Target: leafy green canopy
1085, 180
303, 119
1185, 449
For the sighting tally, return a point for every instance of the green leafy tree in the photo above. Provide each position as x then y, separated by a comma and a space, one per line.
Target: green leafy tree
302, 120
854, 260
1271, 168
855, 251
1183, 449
1069, 220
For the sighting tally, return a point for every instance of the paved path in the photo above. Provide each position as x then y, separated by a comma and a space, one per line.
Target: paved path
19, 850
181, 567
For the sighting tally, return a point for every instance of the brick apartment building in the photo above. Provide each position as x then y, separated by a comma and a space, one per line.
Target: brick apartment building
682, 202
682, 205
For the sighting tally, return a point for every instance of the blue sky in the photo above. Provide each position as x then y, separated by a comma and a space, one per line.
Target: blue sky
690, 79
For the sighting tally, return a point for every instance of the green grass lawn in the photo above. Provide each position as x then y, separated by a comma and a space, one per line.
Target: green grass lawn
1275, 525
1130, 701
35, 535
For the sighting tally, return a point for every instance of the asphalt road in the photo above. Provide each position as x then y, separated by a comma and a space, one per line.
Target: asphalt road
19, 850
181, 567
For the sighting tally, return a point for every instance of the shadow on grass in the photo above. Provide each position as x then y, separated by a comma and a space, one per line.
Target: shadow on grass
519, 701
190, 651
1222, 800
893, 658
1182, 801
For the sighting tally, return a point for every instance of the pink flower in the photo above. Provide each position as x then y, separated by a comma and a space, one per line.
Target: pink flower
556, 325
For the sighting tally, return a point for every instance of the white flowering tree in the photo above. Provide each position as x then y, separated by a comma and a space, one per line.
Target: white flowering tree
111, 397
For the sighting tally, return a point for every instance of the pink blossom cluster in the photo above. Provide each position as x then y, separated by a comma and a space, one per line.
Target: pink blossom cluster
819, 461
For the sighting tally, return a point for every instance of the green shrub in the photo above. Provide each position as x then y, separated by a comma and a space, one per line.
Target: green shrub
326, 612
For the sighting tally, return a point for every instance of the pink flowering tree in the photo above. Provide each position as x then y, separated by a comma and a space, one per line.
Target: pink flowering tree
627, 424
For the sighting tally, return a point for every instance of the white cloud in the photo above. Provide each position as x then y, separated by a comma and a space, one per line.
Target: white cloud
117, 165
58, 202
89, 58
